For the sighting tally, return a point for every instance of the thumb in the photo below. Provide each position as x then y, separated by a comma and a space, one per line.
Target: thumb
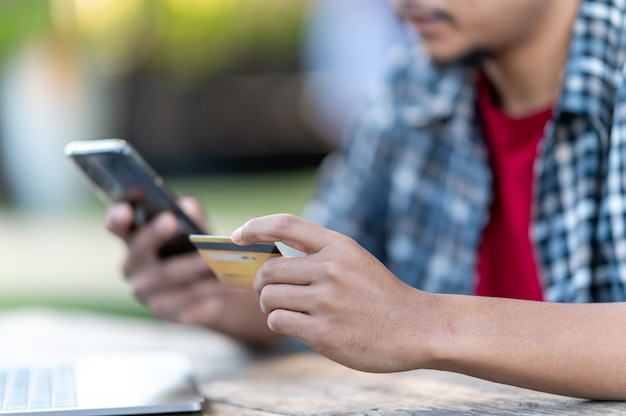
193, 208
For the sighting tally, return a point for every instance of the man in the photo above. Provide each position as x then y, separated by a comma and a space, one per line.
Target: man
517, 122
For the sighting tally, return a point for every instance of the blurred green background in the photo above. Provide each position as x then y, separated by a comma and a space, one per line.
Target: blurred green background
210, 91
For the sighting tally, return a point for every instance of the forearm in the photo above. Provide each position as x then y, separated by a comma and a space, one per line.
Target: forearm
349, 307
574, 350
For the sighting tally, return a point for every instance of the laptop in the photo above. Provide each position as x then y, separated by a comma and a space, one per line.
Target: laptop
116, 383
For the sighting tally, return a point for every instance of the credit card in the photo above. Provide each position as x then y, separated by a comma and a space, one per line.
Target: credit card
233, 265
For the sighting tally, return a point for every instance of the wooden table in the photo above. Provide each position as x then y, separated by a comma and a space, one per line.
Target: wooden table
239, 382
307, 384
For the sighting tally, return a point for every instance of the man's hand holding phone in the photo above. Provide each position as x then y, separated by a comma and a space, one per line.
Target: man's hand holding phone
162, 266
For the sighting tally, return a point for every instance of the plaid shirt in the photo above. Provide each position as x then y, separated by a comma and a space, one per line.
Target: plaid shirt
413, 186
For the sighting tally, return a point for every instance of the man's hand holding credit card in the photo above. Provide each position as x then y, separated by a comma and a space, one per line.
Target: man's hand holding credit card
233, 265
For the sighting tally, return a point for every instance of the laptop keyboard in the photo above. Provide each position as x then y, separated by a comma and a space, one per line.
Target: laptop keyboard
24, 388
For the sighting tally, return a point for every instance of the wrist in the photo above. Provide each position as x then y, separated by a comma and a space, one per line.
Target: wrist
436, 337
463, 331
427, 330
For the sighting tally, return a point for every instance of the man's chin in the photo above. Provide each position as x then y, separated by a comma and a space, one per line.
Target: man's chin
473, 59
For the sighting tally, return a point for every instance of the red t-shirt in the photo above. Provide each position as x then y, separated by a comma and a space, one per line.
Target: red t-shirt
506, 263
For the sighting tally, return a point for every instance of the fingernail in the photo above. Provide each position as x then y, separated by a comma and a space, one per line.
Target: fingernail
164, 223
118, 213
237, 235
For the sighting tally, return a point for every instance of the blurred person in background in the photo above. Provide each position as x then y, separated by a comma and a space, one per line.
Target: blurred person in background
344, 50
491, 163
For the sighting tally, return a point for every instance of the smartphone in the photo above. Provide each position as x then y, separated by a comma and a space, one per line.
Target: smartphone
117, 172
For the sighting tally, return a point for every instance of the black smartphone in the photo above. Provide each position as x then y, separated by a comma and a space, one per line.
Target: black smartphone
117, 172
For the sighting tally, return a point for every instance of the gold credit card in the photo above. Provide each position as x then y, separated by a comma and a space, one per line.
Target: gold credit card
233, 265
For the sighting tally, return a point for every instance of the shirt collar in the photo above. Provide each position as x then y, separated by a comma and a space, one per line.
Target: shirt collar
431, 93
593, 70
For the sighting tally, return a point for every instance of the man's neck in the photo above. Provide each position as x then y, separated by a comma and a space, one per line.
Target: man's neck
527, 77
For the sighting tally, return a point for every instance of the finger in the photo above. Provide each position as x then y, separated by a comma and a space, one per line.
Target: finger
296, 232
145, 243
165, 305
200, 312
118, 219
193, 208
203, 305
289, 297
185, 268
171, 304
292, 324
285, 270
170, 274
